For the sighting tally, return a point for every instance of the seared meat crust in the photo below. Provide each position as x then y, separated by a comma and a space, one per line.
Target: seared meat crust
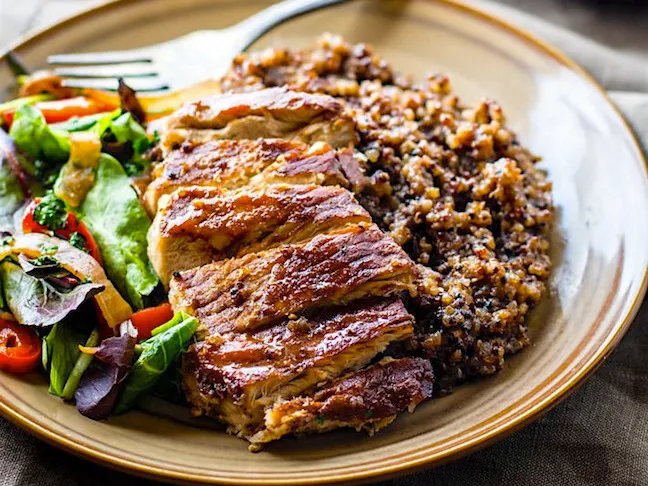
236, 376
369, 399
251, 291
295, 287
231, 164
268, 113
244, 221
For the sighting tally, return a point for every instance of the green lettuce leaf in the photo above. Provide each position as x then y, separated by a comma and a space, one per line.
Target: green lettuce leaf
3, 304
116, 219
126, 140
81, 364
11, 195
62, 358
102, 126
98, 122
158, 354
11, 189
126, 129
169, 386
62, 344
31, 133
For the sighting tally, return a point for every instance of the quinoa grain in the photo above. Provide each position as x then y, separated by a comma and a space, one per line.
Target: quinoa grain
451, 184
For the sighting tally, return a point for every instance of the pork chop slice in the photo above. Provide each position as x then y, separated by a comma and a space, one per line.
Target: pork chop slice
369, 399
266, 113
236, 377
257, 289
197, 225
231, 164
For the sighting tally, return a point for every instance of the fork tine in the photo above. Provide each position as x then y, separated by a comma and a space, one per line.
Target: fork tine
93, 58
108, 71
138, 84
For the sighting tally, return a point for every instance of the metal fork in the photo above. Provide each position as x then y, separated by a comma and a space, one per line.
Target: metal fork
176, 64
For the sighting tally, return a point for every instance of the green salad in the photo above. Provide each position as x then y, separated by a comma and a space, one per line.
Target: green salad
79, 298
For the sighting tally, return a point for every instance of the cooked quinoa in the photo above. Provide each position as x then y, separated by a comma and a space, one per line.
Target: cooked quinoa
451, 184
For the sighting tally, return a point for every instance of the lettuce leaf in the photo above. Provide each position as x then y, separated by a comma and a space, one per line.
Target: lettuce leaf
62, 345
100, 385
32, 134
83, 123
126, 129
119, 224
11, 195
159, 353
169, 386
80, 366
120, 133
126, 140
64, 362
45, 148
12, 178
36, 302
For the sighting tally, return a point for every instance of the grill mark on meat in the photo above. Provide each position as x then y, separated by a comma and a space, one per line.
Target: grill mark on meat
293, 278
232, 164
268, 113
368, 399
198, 225
254, 370
217, 111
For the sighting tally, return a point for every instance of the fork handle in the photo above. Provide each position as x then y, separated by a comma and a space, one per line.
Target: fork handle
258, 24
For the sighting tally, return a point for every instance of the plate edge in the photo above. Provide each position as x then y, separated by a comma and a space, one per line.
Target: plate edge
535, 412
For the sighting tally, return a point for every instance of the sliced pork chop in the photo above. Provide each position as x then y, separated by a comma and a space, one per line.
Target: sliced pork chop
369, 399
196, 225
267, 113
236, 377
231, 164
256, 289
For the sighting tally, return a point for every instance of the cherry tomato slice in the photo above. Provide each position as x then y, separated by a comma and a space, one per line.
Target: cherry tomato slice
72, 225
146, 320
28, 223
20, 348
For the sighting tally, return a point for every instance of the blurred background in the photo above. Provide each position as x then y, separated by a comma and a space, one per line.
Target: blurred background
620, 24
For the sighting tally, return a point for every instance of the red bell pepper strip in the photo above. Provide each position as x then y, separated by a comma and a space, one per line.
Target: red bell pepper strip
20, 348
148, 319
57, 111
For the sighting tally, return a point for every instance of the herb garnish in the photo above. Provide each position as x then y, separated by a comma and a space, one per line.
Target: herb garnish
78, 240
48, 250
51, 212
44, 260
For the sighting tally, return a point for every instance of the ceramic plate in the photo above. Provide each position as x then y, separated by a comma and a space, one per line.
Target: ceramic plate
600, 244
